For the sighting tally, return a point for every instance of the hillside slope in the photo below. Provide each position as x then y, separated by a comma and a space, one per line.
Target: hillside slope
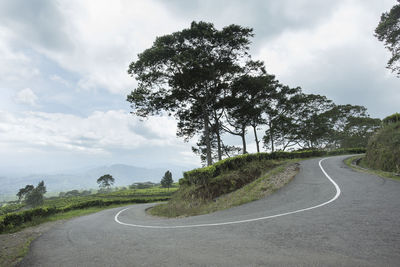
383, 150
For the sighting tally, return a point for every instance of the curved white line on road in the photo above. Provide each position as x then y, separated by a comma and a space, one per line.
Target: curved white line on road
241, 221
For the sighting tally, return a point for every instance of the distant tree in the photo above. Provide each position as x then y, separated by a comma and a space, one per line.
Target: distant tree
85, 193
388, 31
72, 193
314, 126
105, 181
281, 111
350, 126
358, 131
23, 192
34, 198
167, 181
32, 195
142, 185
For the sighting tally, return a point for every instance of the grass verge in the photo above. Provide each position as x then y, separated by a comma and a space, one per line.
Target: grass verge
279, 174
362, 167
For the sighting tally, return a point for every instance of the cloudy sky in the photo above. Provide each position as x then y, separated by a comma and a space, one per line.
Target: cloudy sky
63, 79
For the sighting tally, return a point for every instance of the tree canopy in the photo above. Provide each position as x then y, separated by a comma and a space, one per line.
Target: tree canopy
33, 196
106, 181
167, 180
207, 80
185, 74
388, 31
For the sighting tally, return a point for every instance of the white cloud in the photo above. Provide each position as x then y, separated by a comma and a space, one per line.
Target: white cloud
100, 132
26, 96
106, 38
338, 57
294, 49
15, 65
59, 79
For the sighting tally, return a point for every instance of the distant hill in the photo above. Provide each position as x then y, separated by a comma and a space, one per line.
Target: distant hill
86, 179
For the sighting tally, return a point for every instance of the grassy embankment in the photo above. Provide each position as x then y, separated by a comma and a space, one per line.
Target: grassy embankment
363, 167
235, 181
254, 181
383, 151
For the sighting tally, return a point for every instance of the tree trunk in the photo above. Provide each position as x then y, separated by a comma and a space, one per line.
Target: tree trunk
271, 134
219, 142
243, 135
256, 138
207, 136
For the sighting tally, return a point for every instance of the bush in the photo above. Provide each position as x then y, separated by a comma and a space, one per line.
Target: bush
383, 150
202, 176
394, 118
15, 219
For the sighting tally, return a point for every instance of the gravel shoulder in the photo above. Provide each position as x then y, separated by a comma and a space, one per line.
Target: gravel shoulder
14, 246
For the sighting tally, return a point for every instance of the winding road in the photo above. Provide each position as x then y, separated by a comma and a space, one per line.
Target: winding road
329, 215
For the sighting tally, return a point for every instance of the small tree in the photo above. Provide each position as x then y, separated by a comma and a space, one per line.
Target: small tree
167, 181
105, 181
24, 191
32, 195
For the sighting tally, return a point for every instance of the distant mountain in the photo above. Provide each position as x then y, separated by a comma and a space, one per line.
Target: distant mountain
85, 179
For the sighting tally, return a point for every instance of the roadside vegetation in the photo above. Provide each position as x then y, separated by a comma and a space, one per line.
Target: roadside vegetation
15, 216
383, 150
235, 181
358, 163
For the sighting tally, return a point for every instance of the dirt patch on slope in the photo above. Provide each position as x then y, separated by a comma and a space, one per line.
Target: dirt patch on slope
13, 247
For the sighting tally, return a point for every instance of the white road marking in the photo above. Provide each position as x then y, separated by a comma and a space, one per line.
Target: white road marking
241, 221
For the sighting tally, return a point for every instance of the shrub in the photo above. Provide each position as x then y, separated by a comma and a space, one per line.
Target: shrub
383, 150
15, 219
394, 118
202, 176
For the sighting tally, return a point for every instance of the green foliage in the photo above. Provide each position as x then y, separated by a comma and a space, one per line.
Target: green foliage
33, 196
167, 180
23, 192
357, 131
388, 31
383, 150
142, 185
64, 204
105, 181
394, 118
202, 176
231, 188
186, 73
10, 207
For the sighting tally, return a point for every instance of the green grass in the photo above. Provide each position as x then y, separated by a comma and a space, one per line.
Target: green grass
363, 167
187, 203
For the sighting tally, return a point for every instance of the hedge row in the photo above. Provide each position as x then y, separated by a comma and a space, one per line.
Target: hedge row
202, 175
12, 220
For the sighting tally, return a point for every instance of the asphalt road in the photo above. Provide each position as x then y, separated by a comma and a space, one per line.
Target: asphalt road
358, 228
